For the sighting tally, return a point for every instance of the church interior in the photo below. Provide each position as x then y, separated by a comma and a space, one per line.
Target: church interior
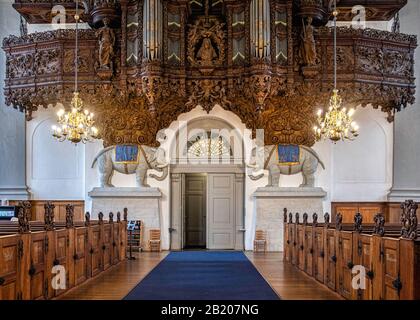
209, 150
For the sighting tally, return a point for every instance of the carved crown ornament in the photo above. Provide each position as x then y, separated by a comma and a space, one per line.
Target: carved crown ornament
205, 59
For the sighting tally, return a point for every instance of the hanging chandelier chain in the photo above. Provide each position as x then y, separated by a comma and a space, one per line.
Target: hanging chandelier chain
335, 13
76, 53
77, 124
337, 124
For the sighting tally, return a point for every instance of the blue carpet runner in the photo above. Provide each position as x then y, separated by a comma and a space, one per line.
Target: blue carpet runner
201, 275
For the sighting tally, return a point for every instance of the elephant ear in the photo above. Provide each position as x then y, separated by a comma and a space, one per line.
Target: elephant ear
151, 154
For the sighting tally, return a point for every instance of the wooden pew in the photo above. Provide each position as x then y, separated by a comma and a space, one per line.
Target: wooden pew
30, 250
391, 262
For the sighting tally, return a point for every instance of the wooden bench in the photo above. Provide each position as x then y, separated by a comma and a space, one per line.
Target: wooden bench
29, 251
328, 253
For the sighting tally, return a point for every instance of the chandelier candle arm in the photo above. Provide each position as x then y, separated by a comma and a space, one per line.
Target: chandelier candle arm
337, 124
77, 125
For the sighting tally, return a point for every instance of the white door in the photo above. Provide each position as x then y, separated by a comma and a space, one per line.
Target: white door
221, 211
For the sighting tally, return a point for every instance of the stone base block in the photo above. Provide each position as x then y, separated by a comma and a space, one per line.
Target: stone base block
142, 203
269, 205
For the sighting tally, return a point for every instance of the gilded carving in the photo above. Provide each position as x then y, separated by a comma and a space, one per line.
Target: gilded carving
206, 47
106, 38
208, 93
132, 105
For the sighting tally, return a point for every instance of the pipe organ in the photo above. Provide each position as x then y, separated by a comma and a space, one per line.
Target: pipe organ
260, 28
152, 29
248, 57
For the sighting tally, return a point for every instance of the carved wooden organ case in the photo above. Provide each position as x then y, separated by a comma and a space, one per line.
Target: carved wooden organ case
245, 55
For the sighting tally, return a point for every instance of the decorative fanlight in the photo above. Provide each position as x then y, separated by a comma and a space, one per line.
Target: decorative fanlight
76, 125
337, 124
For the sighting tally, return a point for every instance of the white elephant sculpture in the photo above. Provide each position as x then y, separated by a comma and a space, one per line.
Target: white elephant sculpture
148, 158
308, 165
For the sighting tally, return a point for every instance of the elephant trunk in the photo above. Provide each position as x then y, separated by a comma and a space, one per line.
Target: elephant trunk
164, 171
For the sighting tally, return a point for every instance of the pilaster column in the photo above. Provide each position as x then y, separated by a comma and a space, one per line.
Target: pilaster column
406, 184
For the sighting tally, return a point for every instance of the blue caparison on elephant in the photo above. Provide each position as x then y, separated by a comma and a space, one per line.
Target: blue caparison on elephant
146, 158
306, 163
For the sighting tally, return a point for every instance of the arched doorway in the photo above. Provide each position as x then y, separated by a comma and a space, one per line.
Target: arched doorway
207, 186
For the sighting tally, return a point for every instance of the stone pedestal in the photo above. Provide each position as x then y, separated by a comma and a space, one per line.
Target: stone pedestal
269, 205
142, 203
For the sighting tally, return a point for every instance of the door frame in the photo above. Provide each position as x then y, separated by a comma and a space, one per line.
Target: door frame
177, 200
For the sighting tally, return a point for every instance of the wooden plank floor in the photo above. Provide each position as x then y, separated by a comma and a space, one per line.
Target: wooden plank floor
288, 282
116, 283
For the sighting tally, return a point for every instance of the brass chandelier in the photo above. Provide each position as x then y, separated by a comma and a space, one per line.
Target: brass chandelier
76, 125
337, 124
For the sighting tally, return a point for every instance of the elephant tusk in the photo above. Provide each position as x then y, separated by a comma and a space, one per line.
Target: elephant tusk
255, 178
253, 166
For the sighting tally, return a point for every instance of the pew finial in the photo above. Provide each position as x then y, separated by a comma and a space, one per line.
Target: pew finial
409, 220
290, 217
69, 216
111, 217
339, 222
125, 214
297, 215
118, 217
379, 226
24, 215
305, 219
327, 219
315, 219
49, 216
87, 219
285, 215
358, 221
101, 217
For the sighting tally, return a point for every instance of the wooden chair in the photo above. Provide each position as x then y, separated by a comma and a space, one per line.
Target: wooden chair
260, 241
154, 240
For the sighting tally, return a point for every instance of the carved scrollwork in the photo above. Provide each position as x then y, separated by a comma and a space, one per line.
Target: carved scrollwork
339, 222
379, 224
69, 216
206, 46
24, 216
49, 224
358, 220
376, 69
208, 93
409, 219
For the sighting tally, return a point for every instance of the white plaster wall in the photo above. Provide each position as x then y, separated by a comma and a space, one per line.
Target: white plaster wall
55, 170
362, 169
12, 122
